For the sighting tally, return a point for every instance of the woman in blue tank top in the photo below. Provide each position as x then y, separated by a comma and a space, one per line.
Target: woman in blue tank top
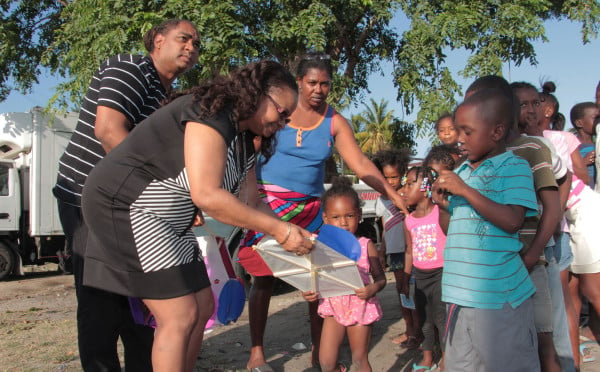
291, 183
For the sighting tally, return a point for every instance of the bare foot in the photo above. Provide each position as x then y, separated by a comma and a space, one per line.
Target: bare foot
400, 339
257, 357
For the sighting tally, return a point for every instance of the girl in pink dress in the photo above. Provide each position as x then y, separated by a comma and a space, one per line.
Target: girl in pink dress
349, 314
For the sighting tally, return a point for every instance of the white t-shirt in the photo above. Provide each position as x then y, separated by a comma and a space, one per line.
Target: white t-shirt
393, 225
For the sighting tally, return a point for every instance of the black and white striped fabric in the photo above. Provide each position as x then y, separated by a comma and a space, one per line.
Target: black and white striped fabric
162, 214
127, 83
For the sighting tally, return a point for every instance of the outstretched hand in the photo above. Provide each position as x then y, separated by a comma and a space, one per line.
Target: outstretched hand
399, 202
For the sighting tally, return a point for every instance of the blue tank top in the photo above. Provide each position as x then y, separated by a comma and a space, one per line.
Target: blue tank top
300, 154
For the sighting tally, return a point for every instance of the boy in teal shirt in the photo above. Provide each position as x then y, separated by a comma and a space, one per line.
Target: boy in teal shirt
485, 283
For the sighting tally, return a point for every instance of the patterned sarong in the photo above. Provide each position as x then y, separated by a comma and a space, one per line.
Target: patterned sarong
299, 209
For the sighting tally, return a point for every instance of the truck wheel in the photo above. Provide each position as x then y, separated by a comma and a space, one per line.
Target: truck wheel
7, 261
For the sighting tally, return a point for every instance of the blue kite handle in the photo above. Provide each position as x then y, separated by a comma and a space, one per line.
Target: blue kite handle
340, 240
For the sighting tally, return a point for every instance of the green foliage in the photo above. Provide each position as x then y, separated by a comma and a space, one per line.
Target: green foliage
233, 32
493, 32
72, 38
26, 29
377, 129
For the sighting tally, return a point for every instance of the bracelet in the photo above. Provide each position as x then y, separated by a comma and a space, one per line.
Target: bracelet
287, 236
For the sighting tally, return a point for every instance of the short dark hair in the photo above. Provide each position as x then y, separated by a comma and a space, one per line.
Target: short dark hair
496, 82
578, 111
162, 29
493, 106
316, 60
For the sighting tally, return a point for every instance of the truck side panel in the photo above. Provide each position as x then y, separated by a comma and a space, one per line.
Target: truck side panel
50, 139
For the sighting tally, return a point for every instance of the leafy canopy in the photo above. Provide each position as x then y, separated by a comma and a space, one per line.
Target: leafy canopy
72, 38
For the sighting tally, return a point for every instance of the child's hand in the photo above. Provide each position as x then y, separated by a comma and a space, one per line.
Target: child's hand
382, 259
404, 286
310, 296
530, 260
366, 292
448, 182
399, 202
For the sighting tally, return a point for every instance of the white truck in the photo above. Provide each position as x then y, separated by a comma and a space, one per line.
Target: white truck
30, 229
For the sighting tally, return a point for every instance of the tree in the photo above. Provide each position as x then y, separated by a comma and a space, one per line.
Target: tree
493, 32
356, 34
26, 30
72, 38
377, 129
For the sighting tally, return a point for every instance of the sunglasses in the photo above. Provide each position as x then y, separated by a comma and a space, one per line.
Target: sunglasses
283, 114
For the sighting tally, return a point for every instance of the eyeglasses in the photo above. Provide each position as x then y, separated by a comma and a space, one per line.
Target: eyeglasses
283, 114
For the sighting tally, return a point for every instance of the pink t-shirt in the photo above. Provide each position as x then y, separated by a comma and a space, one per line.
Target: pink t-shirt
428, 240
565, 144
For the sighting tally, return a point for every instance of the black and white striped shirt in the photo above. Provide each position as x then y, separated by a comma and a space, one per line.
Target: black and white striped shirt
127, 83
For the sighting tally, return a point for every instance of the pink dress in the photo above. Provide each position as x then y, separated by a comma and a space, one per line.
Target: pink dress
349, 309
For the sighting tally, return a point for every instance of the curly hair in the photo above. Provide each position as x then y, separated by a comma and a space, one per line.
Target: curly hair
442, 154
341, 186
162, 29
241, 92
558, 119
394, 158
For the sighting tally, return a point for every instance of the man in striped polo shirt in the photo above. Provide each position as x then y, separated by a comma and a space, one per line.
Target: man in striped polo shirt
123, 92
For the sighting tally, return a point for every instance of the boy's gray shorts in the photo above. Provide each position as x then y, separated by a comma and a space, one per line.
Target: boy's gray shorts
493, 340
542, 302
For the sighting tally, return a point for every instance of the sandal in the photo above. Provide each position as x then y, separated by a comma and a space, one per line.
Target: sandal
586, 352
412, 342
417, 368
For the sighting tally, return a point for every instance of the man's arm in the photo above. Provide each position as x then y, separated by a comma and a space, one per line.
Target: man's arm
111, 127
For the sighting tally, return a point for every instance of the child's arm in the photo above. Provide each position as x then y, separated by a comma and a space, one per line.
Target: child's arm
508, 217
549, 220
382, 248
444, 220
408, 260
310, 296
377, 273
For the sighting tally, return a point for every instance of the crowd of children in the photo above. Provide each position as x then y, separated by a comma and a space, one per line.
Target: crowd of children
499, 239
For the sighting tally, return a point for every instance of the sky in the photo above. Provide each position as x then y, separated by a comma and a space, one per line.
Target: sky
564, 59
572, 66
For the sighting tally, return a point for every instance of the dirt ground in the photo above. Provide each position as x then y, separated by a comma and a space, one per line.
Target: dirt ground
38, 331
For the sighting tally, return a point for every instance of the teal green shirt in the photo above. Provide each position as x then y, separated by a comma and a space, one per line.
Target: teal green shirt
482, 265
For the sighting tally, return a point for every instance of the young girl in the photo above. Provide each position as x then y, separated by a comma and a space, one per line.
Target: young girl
448, 135
349, 314
584, 117
425, 230
392, 164
445, 129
